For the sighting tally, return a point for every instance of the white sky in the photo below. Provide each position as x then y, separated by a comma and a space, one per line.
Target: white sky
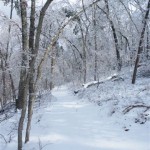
5, 9
73, 1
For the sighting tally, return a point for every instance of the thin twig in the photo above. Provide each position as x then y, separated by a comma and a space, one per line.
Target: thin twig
3, 138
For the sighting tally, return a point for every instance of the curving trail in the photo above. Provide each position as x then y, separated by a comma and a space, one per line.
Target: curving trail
73, 124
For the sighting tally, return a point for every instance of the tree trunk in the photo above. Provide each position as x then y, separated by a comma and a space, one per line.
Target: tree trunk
23, 84
52, 69
31, 70
95, 43
119, 64
12, 86
4, 81
21, 120
10, 76
84, 54
34, 47
23, 73
140, 47
147, 44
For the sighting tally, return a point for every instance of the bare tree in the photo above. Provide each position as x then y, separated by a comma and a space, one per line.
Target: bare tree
24, 72
27, 77
140, 47
95, 44
34, 48
114, 36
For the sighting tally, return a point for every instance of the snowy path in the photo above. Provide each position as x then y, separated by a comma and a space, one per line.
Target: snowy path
76, 125
73, 124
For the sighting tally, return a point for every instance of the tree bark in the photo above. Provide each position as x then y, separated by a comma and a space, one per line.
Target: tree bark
21, 120
31, 69
12, 86
95, 44
147, 44
34, 51
140, 47
119, 64
4, 81
8, 43
84, 54
52, 69
23, 84
23, 73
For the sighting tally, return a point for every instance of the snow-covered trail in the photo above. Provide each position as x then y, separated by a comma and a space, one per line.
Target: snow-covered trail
73, 124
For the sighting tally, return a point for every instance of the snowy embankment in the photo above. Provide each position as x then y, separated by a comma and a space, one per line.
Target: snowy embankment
70, 123
116, 96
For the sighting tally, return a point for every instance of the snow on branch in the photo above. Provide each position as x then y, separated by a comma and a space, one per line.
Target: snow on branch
55, 38
114, 77
10, 21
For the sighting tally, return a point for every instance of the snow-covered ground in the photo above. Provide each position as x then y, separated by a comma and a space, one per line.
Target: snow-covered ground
70, 123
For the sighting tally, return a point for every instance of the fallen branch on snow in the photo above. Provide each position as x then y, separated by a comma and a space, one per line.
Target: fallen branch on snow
111, 78
89, 84
129, 108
